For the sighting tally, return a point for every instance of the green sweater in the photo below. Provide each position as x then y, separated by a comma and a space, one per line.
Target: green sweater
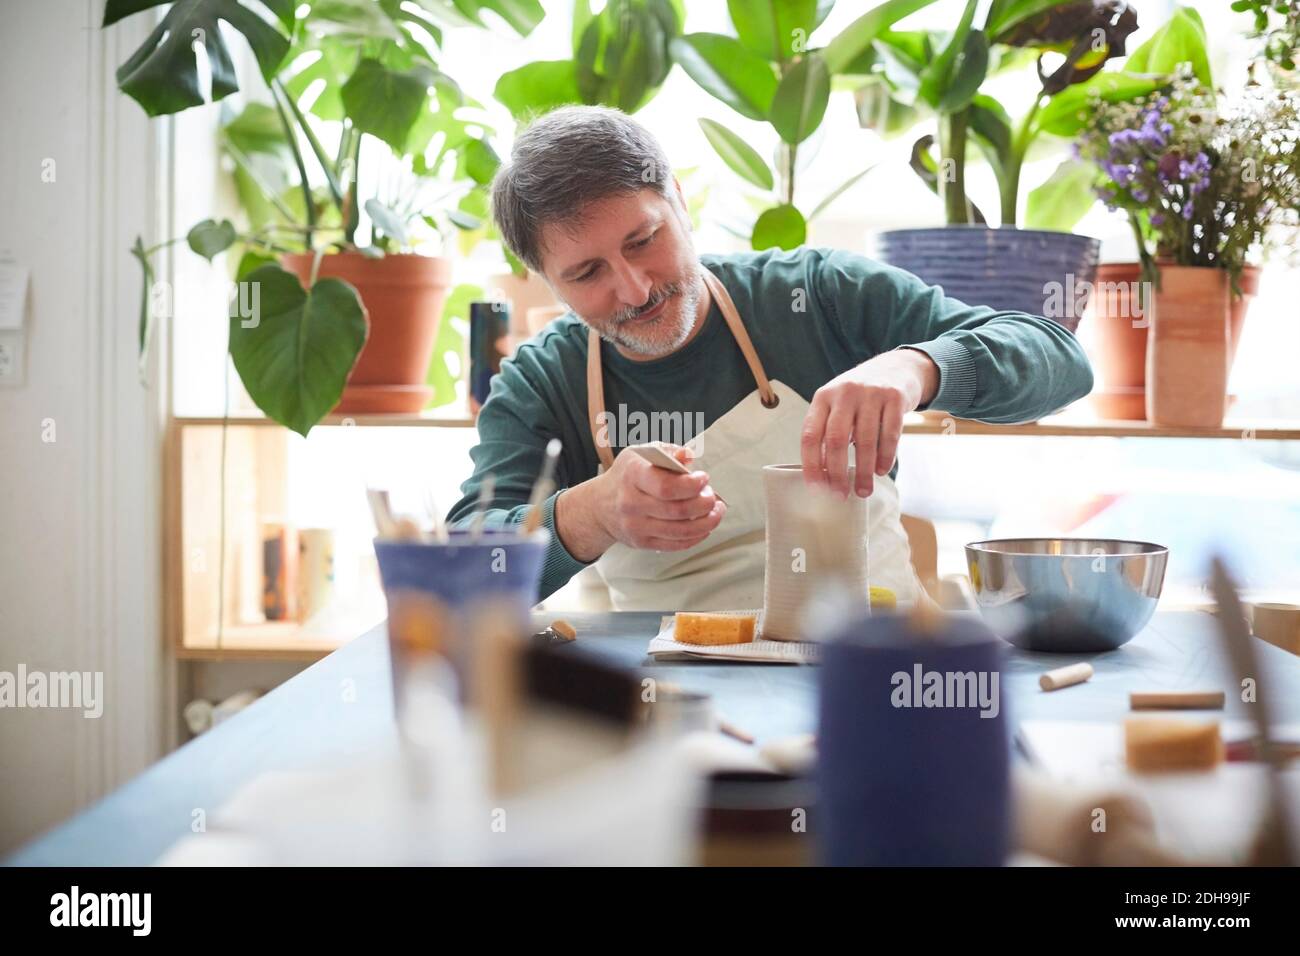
812, 314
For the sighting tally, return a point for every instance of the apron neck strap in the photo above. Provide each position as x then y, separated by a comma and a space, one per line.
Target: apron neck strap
596, 378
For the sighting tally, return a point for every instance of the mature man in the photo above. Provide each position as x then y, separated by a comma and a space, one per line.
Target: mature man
811, 356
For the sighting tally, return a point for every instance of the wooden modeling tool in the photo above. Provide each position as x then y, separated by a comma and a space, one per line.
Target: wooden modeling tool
658, 457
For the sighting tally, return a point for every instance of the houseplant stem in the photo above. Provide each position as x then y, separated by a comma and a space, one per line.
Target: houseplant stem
1019, 147
952, 167
291, 136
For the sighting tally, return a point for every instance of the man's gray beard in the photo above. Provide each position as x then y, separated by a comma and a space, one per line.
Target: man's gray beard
688, 300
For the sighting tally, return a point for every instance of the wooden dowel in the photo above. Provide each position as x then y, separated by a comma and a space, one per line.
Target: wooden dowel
1065, 676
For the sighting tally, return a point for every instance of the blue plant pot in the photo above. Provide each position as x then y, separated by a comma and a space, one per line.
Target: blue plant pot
1022, 270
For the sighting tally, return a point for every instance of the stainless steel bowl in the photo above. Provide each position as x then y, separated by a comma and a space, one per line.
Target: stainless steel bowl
1066, 595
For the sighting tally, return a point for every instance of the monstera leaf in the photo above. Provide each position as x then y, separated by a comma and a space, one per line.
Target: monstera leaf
163, 75
294, 347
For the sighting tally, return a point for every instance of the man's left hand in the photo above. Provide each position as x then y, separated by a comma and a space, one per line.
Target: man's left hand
864, 406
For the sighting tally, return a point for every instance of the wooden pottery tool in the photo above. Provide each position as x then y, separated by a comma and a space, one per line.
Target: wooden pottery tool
656, 455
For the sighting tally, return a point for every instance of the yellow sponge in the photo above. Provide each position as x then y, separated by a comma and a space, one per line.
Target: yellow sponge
691, 628
1154, 744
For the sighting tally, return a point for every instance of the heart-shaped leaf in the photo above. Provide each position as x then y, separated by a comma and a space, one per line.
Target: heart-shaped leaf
209, 238
737, 154
163, 74
293, 347
781, 226
449, 347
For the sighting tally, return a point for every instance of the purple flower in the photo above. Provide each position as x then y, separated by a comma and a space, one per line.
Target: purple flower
1157, 219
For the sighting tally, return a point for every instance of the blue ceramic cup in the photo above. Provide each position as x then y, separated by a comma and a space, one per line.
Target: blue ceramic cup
913, 746
434, 590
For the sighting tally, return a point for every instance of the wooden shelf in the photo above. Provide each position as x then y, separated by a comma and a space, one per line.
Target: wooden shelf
271, 641
1245, 429
450, 419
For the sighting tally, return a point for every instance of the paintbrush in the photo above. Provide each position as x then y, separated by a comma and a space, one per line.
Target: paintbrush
381, 512
543, 487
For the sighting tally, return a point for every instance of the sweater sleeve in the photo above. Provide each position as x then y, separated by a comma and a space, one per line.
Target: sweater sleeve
511, 448
1003, 367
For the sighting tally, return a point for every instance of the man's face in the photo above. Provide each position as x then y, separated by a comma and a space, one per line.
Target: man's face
627, 267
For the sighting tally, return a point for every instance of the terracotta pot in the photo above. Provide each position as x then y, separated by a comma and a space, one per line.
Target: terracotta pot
1119, 351
1187, 348
1119, 330
1238, 306
403, 296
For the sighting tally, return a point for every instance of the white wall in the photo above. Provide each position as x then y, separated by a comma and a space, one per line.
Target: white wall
81, 515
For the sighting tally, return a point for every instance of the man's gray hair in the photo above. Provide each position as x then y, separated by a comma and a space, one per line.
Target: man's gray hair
565, 160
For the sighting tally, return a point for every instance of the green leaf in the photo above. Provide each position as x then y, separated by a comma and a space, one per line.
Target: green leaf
728, 71
384, 102
1064, 199
296, 349
769, 28
538, 87
450, 342
737, 154
622, 56
857, 36
967, 75
1180, 40
481, 160
937, 75
386, 220
210, 238
250, 262
801, 98
463, 220
1068, 111
781, 226
163, 74
990, 126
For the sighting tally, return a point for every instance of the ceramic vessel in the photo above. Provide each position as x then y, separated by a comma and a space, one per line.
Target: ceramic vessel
792, 560
1187, 348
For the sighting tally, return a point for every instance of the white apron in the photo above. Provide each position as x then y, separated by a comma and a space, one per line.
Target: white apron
725, 570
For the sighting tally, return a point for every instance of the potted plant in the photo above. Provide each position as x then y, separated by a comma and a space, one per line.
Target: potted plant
770, 72
943, 74
1206, 185
316, 311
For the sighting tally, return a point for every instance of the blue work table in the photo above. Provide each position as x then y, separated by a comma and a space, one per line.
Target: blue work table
341, 707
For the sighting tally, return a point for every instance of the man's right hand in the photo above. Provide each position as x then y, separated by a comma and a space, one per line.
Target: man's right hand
640, 505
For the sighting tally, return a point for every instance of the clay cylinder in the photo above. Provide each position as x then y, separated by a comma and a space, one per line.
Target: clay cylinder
792, 560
